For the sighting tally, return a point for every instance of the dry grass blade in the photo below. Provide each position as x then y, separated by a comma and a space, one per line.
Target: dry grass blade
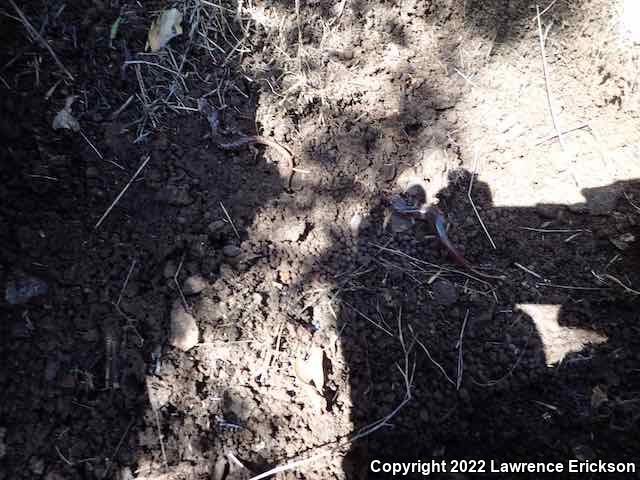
546, 79
473, 205
33, 32
126, 187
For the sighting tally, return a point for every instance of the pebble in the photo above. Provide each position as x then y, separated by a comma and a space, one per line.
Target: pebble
184, 329
194, 284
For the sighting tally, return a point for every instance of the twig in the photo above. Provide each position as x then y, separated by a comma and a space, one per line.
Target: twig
474, 206
546, 79
471, 82
571, 237
23, 50
564, 132
115, 114
135, 175
560, 230
440, 367
459, 346
235, 460
161, 440
531, 272
175, 280
117, 449
65, 459
615, 280
91, 145
44, 43
367, 318
546, 9
52, 89
568, 287
230, 221
126, 282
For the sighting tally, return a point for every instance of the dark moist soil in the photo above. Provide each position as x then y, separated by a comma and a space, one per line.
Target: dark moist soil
549, 359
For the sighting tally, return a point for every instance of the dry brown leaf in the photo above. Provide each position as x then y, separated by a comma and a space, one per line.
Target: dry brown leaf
164, 28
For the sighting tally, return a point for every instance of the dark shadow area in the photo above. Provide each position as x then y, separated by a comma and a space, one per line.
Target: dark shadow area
511, 405
77, 363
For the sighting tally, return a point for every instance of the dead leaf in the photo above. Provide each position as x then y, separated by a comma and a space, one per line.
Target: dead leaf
311, 370
164, 28
65, 119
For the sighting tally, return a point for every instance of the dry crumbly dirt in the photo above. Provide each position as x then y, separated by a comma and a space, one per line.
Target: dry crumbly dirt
541, 364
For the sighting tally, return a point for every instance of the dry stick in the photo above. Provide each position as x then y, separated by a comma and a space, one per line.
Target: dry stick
175, 280
474, 205
117, 449
115, 114
619, 282
564, 132
160, 438
367, 318
546, 79
230, 221
65, 459
91, 145
546, 9
459, 345
440, 367
24, 50
571, 237
568, 287
135, 175
44, 43
471, 82
531, 272
556, 230
126, 281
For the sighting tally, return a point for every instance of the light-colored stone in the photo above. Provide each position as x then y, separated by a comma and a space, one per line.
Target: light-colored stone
184, 328
194, 284
357, 224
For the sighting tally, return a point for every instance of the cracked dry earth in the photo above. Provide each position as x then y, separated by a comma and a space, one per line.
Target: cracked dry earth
222, 321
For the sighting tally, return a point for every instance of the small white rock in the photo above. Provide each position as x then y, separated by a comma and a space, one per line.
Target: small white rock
184, 329
194, 284
357, 224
